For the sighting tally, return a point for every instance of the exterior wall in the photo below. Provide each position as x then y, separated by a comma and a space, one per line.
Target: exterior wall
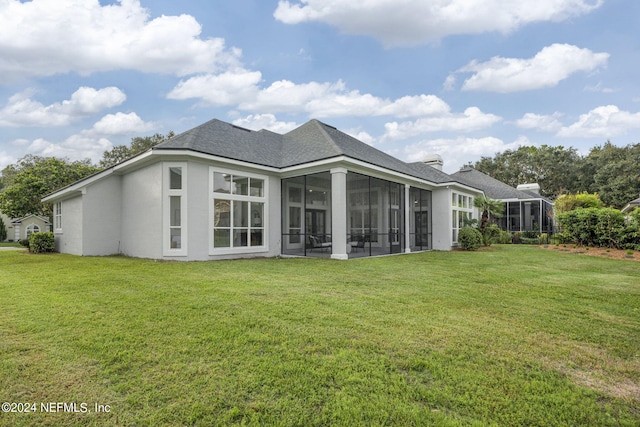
69, 240
141, 213
102, 217
441, 201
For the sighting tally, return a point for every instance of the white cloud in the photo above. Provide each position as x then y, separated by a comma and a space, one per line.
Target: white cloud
286, 96
602, 122
229, 88
21, 110
410, 22
121, 124
6, 159
265, 121
76, 147
459, 151
546, 69
471, 120
88, 143
43, 37
546, 123
240, 88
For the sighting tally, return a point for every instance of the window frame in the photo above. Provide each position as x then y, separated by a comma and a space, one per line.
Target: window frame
459, 211
57, 217
168, 194
235, 199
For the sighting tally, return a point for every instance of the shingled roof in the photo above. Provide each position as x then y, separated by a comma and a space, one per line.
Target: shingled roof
492, 187
310, 142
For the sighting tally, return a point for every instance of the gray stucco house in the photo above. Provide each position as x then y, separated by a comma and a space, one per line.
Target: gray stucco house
524, 208
219, 191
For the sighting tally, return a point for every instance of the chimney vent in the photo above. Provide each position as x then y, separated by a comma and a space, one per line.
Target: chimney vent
434, 160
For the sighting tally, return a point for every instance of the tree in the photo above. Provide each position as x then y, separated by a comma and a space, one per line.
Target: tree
556, 169
33, 177
138, 145
613, 172
570, 202
3, 231
489, 208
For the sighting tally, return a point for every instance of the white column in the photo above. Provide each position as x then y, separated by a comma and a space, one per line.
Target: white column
407, 218
339, 213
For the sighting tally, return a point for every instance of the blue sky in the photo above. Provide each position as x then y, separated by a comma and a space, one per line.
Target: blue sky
459, 78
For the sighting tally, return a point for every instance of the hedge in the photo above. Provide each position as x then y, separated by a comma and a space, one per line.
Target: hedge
41, 242
600, 227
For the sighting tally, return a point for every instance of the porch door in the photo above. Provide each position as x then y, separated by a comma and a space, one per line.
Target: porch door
315, 222
422, 229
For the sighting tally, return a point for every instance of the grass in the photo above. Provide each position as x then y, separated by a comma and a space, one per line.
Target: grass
514, 335
10, 245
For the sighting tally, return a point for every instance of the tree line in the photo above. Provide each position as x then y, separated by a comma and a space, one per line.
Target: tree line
611, 172
24, 183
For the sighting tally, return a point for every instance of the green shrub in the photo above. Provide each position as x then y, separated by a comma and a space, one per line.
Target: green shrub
516, 237
531, 234
491, 235
24, 242
505, 237
41, 242
530, 240
469, 238
601, 227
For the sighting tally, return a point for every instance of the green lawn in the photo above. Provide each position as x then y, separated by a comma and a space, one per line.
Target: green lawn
514, 335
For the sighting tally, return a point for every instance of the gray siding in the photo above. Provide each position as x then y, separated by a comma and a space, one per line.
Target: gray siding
70, 239
102, 217
142, 212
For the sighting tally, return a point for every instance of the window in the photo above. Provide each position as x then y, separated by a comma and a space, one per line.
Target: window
32, 228
57, 216
238, 211
175, 209
461, 212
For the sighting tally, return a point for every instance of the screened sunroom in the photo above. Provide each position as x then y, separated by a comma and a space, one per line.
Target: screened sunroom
381, 217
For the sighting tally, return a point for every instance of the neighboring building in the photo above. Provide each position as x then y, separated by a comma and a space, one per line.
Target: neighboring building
524, 208
220, 191
21, 228
631, 206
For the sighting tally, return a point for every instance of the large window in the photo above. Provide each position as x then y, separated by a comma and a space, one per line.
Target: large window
175, 209
238, 210
461, 212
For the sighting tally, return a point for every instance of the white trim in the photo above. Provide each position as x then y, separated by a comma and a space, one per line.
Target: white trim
57, 217
264, 199
167, 193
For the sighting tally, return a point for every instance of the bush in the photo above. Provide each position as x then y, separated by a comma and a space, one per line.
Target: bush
41, 242
469, 238
530, 240
491, 235
504, 237
600, 227
516, 237
24, 242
